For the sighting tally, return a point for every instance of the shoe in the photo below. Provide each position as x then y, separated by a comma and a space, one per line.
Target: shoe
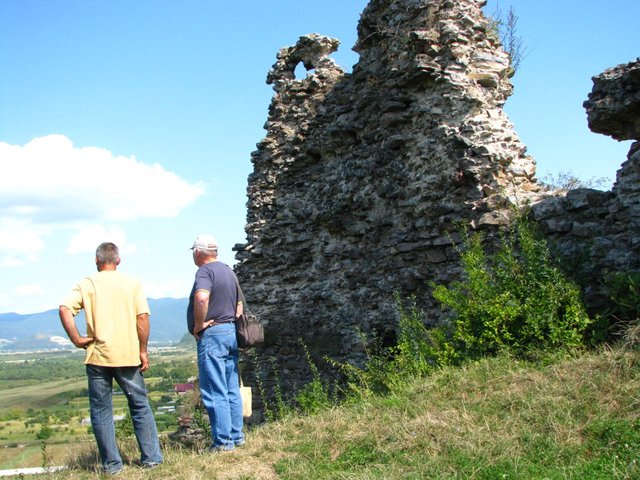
113, 472
221, 448
151, 464
239, 443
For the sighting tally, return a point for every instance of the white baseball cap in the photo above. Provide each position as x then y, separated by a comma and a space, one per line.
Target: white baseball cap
205, 242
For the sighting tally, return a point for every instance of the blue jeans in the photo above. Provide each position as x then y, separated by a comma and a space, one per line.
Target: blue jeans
101, 405
219, 385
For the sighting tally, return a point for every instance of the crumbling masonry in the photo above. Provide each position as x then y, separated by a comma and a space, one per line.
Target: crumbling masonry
362, 180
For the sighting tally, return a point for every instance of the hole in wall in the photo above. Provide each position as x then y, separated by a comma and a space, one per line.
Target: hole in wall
301, 72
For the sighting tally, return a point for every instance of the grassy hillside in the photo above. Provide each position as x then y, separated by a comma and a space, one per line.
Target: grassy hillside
572, 417
40, 395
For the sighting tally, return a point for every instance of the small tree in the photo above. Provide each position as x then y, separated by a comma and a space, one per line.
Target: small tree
43, 435
506, 30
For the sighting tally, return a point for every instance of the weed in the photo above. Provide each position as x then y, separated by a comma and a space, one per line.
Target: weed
418, 352
623, 289
124, 428
278, 408
314, 396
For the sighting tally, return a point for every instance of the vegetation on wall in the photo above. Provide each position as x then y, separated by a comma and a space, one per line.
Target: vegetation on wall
568, 181
516, 299
505, 26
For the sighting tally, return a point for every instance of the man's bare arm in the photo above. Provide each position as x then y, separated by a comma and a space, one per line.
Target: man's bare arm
143, 327
69, 325
200, 309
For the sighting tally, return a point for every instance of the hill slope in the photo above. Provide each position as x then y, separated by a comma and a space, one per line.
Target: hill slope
494, 419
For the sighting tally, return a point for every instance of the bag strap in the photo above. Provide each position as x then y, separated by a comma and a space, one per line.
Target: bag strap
244, 306
241, 295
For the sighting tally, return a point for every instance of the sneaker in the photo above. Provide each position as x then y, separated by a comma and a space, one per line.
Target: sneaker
221, 448
113, 472
151, 464
239, 443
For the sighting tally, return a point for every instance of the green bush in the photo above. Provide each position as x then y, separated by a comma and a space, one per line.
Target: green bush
420, 349
624, 291
360, 383
418, 352
124, 428
516, 300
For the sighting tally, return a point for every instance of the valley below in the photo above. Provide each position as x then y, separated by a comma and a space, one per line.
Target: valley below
44, 407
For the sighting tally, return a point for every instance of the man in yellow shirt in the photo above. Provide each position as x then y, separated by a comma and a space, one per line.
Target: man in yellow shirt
117, 316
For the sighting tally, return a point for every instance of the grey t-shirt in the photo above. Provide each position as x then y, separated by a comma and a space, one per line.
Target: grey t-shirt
220, 281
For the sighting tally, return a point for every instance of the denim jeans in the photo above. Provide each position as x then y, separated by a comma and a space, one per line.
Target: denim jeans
100, 402
219, 385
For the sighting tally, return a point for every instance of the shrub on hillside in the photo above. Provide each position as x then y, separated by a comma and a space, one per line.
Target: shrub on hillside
516, 300
418, 352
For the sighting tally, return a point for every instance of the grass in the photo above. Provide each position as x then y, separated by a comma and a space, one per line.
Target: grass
570, 417
41, 394
30, 455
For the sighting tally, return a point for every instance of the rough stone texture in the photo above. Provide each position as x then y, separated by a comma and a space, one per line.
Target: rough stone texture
190, 435
601, 230
613, 106
362, 180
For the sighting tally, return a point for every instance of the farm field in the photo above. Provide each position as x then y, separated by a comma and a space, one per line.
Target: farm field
50, 390
40, 395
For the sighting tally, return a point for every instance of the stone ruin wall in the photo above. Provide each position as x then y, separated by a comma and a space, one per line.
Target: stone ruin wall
599, 230
363, 179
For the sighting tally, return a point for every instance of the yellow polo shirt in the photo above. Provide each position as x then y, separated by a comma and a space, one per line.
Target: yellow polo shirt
111, 301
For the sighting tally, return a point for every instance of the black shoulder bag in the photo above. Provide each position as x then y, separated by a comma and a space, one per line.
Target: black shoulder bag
249, 331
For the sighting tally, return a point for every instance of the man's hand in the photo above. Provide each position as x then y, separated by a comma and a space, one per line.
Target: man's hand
69, 325
83, 342
197, 329
144, 361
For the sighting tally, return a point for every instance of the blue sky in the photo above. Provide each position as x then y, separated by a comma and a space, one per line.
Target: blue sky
134, 121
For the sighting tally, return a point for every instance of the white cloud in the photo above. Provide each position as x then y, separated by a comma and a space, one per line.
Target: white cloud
49, 184
91, 235
51, 178
20, 241
29, 290
10, 299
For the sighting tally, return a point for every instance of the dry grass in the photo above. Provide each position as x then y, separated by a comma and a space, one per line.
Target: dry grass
496, 418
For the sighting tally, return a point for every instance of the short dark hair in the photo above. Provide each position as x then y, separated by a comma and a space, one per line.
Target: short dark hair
108, 252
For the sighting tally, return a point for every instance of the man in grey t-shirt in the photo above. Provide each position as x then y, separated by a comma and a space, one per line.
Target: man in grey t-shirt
214, 303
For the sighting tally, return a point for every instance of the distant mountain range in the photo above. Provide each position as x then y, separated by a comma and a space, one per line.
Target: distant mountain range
43, 331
